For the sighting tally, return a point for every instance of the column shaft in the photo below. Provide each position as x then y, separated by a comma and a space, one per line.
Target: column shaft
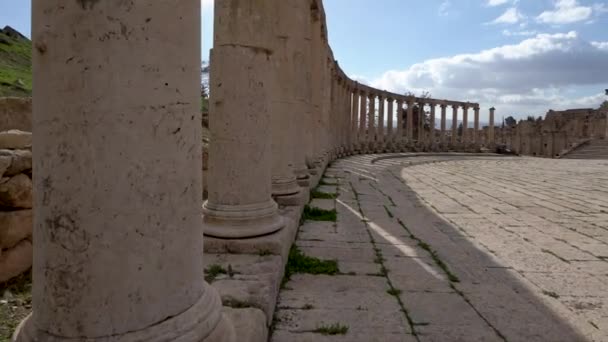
399, 122
118, 252
491, 138
355, 120
476, 126
371, 118
454, 124
389, 123
240, 157
381, 124
421, 119
465, 124
432, 124
410, 120
363, 121
443, 122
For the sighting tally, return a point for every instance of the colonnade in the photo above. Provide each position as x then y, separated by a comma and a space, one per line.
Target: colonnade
118, 234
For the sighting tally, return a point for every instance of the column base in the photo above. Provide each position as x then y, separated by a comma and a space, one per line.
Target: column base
285, 187
202, 322
299, 198
241, 221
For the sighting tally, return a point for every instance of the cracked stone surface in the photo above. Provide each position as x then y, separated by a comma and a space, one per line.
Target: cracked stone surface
456, 249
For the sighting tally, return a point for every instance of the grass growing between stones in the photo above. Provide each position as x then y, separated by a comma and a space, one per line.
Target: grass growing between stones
215, 270
316, 214
322, 195
332, 330
298, 262
15, 304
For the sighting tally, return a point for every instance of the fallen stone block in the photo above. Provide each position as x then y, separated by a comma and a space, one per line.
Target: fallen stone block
14, 227
16, 192
16, 260
15, 139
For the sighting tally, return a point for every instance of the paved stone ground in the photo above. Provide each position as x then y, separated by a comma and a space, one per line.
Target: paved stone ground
454, 249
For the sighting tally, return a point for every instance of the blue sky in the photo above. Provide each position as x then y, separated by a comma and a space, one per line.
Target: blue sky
522, 56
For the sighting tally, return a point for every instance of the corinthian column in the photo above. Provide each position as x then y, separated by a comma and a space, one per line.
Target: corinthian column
355, 120
118, 252
454, 124
363, 139
476, 124
491, 138
443, 122
240, 156
399, 139
390, 137
410, 119
371, 128
380, 129
432, 124
465, 124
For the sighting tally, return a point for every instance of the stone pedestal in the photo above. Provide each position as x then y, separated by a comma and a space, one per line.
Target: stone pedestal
240, 162
118, 252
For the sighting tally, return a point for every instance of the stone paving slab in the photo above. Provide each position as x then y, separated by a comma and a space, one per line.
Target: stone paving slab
466, 248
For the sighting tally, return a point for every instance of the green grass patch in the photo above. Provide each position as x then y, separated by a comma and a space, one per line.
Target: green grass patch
317, 214
298, 262
332, 330
322, 195
15, 66
394, 292
213, 271
18, 294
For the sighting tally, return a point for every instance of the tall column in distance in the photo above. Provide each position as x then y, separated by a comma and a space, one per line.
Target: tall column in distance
363, 138
454, 123
380, 129
443, 122
432, 124
476, 124
421, 119
465, 124
410, 119
491, 137
399, 124
390, 137
371, 127
355, 120
118, 251
240, 158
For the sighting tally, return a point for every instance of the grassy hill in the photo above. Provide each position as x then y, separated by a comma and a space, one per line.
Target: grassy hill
15, 64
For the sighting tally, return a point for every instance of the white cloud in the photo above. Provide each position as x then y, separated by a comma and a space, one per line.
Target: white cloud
444, 8
510, 33
511, 16
565, 12
525, 78
492, 3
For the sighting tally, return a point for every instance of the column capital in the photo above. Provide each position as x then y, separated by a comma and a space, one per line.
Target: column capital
410, 99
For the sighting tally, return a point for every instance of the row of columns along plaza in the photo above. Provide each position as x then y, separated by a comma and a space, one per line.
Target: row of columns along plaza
118, 252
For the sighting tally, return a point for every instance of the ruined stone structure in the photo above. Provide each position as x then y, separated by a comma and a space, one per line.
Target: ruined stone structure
559, 133
118, 253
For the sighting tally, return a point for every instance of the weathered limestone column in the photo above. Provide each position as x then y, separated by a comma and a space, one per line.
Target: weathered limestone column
443, 122
432, 123
317, 80
288, 103
421, 119
390, 136
118, 252
476, 124
491, 138
363, 139
380, 144
240, 157
371, 127
399, 124
355, 120
410, 119
454, 123
465, 123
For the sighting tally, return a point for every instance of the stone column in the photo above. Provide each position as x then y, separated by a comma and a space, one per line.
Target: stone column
399, 124
491, 139
390, 136
465, 124
380, 131
432, 124
288, 104
240, 156
421, 117
443, 122
410, 119
363, 139
454, 123
371, 127
318, 85
355, 120
476, 125
118, 252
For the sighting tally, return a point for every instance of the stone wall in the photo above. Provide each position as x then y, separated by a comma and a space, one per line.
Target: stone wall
557, 133
15, 203
15, 113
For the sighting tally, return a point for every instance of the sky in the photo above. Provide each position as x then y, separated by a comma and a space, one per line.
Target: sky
522, 56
